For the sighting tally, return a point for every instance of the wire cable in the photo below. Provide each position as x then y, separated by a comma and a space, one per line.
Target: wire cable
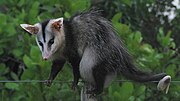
56, 81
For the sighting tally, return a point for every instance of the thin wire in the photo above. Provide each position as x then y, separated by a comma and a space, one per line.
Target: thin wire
174, 81
56, 81
31, 81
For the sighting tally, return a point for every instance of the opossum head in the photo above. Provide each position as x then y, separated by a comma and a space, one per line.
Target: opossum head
49, 36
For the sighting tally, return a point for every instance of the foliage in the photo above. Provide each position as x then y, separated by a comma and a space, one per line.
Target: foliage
20, 58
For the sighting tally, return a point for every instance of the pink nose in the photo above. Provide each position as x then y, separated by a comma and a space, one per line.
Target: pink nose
44, 58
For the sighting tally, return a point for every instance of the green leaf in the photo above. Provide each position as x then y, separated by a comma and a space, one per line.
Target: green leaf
140, 90
171, 70
11, 30
126, 90
79, 5
127, 2
17, 52
116, 18
161, 32
132, 98
33, 11
28, 74
147, 48
168, 35
14, 76
3, 69
35, 54
67, 15
27, 61
12, 86
122, 29
117, 96
138, 37
3, 19
114, 91
44, 64
21, 2
165, 41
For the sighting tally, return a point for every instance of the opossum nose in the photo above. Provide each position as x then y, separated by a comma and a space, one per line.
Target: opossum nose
45, 58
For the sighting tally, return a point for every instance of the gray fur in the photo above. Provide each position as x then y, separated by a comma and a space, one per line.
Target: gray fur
100, 47
90, 43
96, 32
101, 38
87, 63
109, 78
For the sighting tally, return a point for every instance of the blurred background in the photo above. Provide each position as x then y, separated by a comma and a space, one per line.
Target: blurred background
150, 29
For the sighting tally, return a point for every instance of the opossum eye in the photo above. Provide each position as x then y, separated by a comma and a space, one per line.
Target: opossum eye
40, 43
51, 41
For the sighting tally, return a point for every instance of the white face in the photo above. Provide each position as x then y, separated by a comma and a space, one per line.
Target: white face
49, 36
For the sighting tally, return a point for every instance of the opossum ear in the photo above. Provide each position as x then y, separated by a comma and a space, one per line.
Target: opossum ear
57, 24
32, 29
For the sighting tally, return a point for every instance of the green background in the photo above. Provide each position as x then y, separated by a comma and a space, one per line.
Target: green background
150, 37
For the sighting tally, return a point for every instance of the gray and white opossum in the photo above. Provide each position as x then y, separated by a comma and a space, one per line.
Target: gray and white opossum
90, 44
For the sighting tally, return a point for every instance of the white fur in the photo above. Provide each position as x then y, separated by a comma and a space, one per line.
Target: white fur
163, 84
58, 45
87, 63
58, 19
86, 68
59, 41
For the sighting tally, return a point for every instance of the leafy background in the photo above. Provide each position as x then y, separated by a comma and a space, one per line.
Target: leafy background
151, 38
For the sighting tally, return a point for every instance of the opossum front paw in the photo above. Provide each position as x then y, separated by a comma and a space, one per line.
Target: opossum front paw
91, 93
94, 92
48, 82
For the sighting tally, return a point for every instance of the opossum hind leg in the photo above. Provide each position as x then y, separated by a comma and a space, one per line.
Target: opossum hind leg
99, 78
87, 64
89, 71
92, 71
102, 78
